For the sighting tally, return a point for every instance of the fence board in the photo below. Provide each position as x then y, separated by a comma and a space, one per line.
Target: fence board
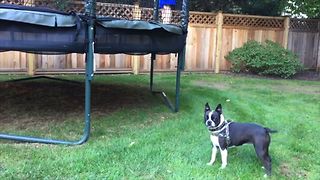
200, 48
236, 37
13, 60
305, 45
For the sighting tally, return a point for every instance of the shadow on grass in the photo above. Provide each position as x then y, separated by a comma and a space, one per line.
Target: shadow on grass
35, 102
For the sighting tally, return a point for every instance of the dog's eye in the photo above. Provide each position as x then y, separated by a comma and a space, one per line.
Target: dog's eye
212, 117
207, 117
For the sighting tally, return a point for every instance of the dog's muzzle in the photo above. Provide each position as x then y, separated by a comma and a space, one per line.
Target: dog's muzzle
211, 128
210, 125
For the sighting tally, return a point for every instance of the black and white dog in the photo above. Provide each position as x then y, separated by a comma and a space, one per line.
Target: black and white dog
224, 134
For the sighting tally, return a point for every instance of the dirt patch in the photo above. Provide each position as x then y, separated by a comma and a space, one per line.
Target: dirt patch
36, 103
281, 87
292, 88
206, 84
311, 89
290, 173
285, 170
308, 75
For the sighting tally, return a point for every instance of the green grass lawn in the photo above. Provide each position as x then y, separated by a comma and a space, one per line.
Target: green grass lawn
135, 136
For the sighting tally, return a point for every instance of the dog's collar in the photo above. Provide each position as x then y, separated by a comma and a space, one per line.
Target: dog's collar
217, 131
219, 128
223, 133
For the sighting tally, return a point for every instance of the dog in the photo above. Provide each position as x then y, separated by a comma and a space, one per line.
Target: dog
225, 134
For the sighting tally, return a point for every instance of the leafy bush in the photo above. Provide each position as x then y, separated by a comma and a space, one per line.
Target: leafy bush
267, 58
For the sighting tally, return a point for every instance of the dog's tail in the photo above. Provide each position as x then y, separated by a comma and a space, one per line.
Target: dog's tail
270, 130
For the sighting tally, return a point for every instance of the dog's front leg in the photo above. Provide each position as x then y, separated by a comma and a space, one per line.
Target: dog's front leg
224, 155
213, 155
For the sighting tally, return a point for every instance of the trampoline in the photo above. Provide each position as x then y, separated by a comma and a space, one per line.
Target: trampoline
47, 31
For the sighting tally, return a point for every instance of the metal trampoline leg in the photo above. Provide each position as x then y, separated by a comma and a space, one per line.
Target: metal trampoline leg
163, 95
153, 58
180, 66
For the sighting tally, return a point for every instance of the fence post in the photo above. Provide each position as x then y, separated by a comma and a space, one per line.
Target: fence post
318, 60
136, 59
219, 23
31, 64
30, 57
28, 2
286, 32
318, 57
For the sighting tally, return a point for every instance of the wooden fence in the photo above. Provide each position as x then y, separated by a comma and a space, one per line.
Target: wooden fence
210, 38
304, 40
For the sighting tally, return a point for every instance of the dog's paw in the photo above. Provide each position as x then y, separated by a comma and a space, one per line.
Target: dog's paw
210, 163
265, 176
223, 166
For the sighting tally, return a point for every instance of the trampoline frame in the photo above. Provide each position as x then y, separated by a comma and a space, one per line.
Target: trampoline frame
91, 14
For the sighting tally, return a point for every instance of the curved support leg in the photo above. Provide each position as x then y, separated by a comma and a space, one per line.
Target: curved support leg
174, 108
86, 132
90, 11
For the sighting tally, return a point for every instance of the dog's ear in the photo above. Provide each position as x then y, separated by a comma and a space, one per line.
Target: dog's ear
207, 107
219, 108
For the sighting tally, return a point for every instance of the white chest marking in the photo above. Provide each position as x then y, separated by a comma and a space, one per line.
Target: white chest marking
215, 140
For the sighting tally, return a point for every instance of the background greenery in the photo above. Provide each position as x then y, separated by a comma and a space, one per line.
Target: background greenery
310, 8
142, 139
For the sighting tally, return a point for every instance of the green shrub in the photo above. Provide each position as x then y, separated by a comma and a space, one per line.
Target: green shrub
267, 58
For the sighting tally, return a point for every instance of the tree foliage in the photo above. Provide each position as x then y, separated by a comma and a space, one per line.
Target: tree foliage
212, 5
262, 7
254, 7
311, 8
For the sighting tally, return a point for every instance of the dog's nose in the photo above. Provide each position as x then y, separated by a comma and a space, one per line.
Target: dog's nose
209, 123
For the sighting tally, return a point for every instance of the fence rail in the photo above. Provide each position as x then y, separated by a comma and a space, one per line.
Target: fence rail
210, 38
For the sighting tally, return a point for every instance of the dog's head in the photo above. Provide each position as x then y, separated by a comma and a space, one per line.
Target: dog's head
213, 118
